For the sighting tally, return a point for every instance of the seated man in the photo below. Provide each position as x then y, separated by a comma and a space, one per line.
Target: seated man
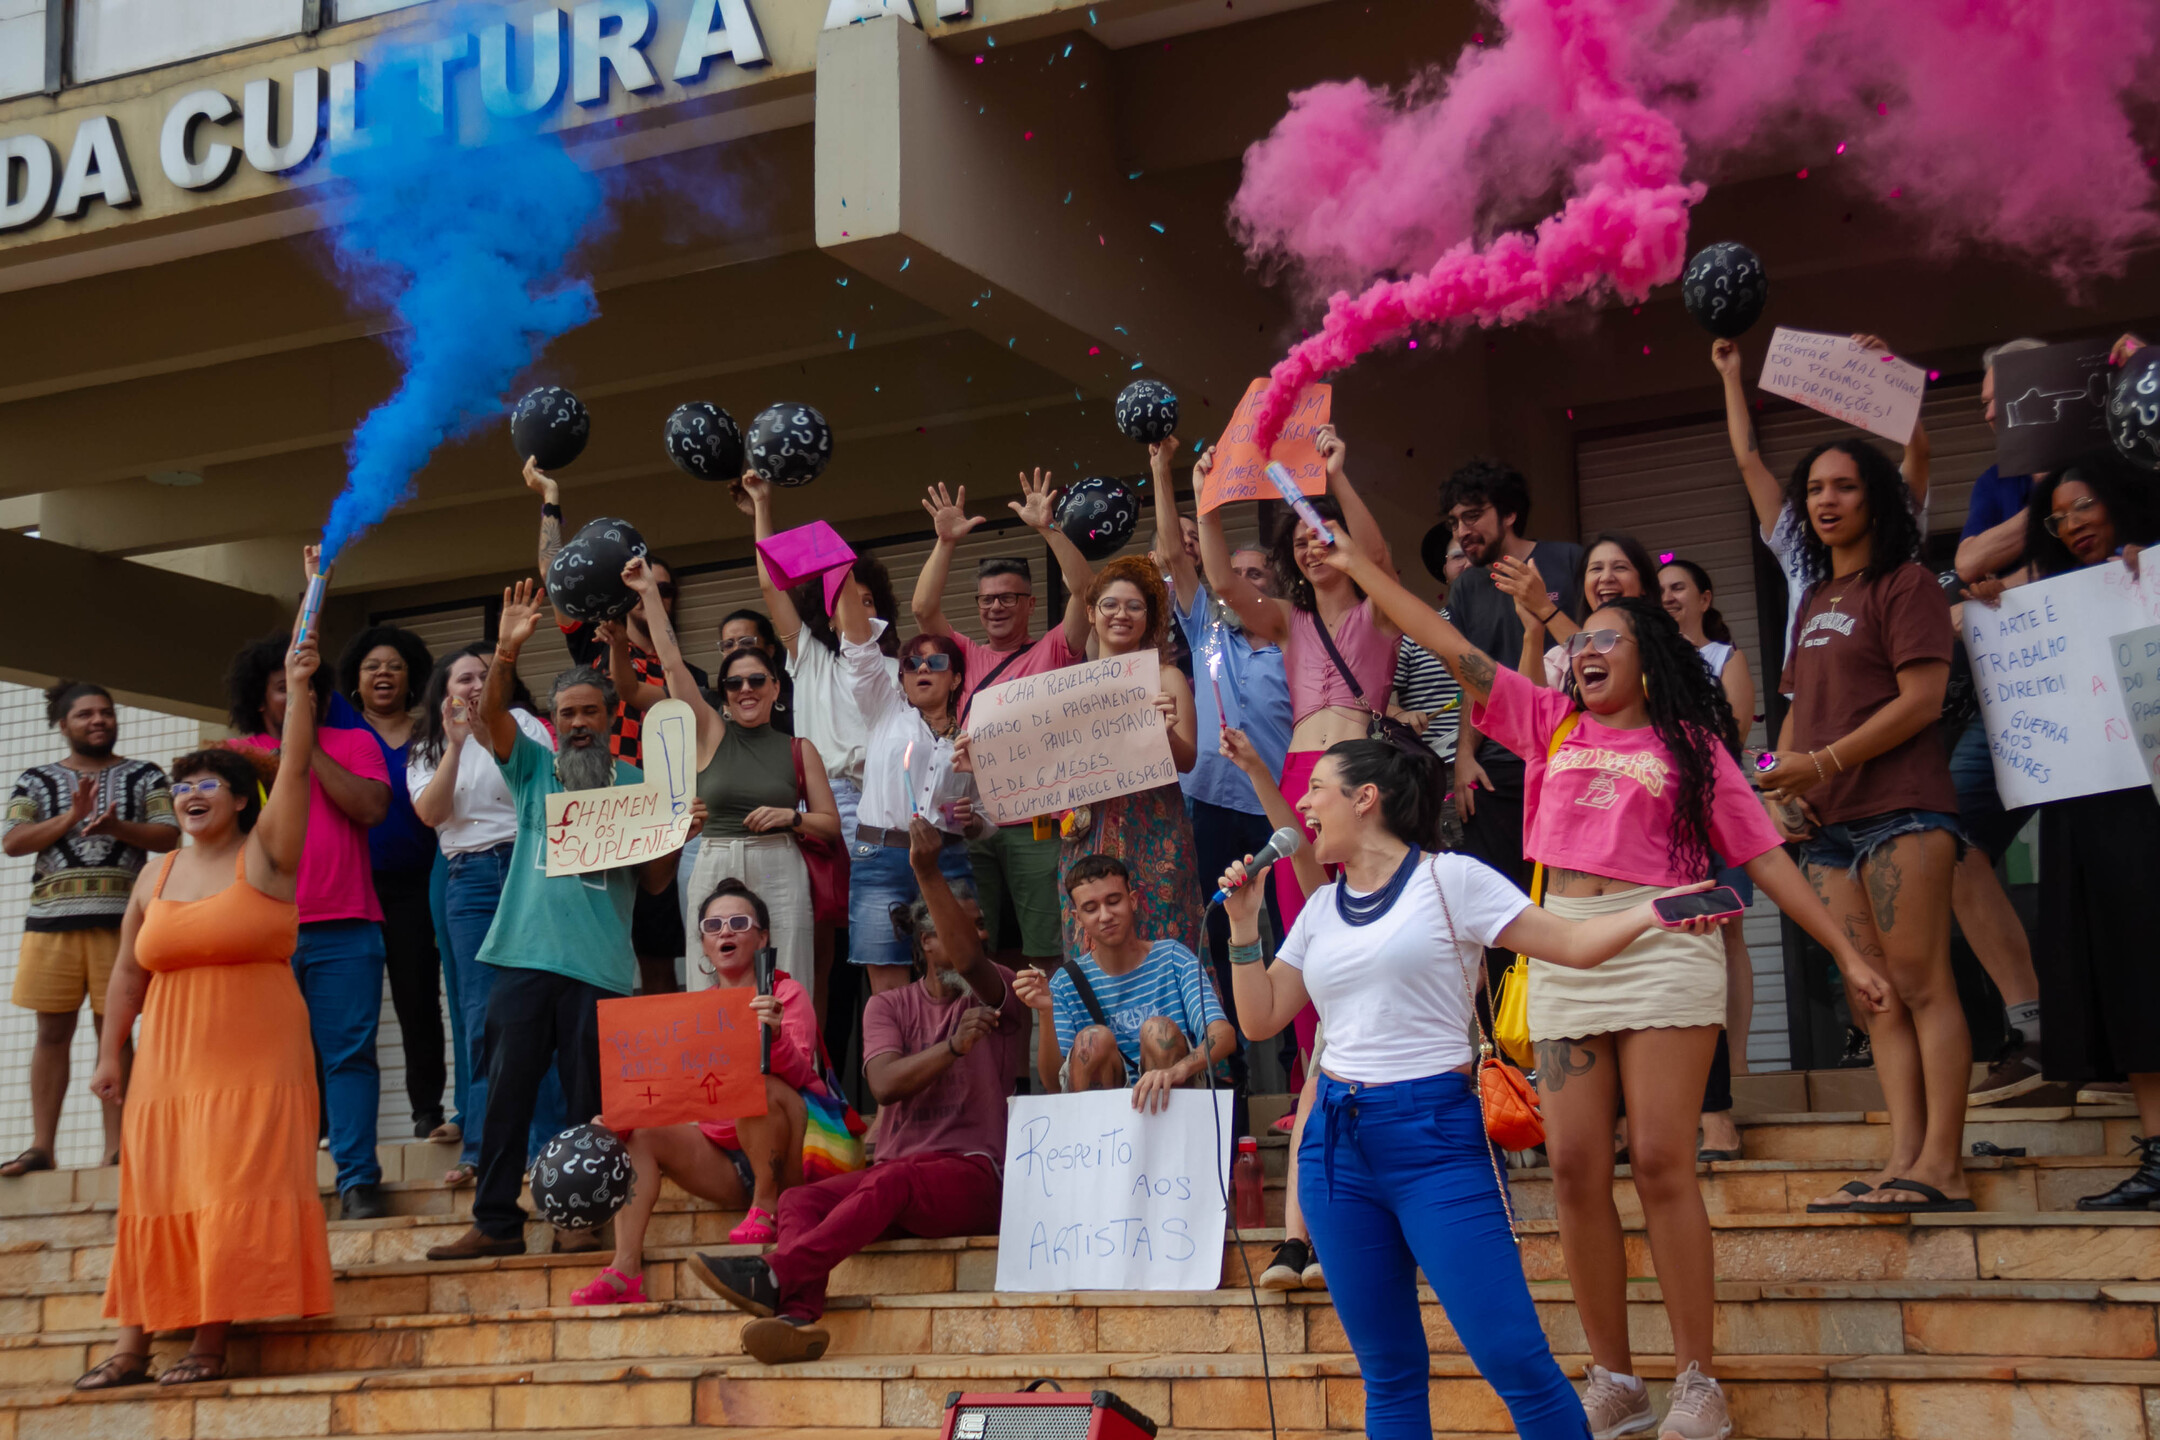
940, 1055
1127, 1006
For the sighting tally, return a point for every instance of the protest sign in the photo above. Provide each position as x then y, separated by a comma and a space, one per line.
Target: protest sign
2050, 405
1101, 1197
1877, 392
678, 1059
590, 830
670, 740
793, 556
2044, 664
2137, 673
1069, 737
1239, 469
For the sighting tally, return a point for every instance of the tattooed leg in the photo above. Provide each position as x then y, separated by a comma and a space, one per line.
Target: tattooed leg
1579, 1088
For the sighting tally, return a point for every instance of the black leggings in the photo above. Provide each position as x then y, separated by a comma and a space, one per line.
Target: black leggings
414, 968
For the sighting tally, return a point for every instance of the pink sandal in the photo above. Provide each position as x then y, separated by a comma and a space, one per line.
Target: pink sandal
611, 1287
759, 1227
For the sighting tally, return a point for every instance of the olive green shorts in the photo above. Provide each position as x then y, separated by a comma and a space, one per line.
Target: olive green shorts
1013, 864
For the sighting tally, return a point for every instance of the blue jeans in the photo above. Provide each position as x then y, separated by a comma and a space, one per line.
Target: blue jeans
473, 890
880, 878
1398, 1178
439, 906
339, 964
1980, 807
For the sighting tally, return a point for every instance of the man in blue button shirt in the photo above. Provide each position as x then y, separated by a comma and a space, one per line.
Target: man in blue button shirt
1228, 823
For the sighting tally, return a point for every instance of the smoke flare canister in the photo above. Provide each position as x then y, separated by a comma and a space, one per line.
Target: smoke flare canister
310, 607
1295, 499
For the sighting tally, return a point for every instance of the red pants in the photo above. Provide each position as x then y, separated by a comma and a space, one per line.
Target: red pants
927, 1196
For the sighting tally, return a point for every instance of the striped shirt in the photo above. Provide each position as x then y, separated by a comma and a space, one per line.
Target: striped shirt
1423, 682
82, 881
1167, 983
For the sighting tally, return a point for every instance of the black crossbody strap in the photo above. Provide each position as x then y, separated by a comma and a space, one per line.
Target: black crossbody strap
1336, 655
1087, 995
991, 679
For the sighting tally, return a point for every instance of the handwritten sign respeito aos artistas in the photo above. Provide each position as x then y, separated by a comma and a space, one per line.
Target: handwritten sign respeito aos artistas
1069, 737
616, 825
1879, 393
1101, 1197
678, 1059
2044, 663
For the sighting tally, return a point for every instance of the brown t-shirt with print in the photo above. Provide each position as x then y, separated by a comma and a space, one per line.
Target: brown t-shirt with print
1853, 636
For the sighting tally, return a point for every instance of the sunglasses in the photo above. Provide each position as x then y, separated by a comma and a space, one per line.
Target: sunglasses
734, 683
721, 924
933, 661
1602, 641
666, 589
208, 785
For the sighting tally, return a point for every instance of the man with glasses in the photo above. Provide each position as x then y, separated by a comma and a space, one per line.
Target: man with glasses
1016, 861
1487, 502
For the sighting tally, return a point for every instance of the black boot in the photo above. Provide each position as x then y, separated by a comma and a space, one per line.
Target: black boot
2140, 1190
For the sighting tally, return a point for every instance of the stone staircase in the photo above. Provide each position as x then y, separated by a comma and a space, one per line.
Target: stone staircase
2027, 1319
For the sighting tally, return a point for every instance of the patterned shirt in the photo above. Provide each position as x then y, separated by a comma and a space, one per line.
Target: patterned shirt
82, 881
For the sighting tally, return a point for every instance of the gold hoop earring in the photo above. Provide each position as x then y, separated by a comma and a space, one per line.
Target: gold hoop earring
1646, 687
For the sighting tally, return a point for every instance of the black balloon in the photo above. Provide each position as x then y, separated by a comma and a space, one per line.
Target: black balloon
1725, 289
1098, 515
703, 440
1147, 411
789, 443
582, 1178
2133, 416
1434, 547
585, 579
550, 426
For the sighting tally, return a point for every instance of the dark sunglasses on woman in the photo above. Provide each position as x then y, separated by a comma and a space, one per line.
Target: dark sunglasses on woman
936, 660
734, 683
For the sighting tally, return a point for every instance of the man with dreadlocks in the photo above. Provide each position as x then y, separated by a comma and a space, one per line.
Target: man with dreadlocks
1629, 790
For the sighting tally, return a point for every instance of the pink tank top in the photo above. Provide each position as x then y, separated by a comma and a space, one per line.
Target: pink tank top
1315, 683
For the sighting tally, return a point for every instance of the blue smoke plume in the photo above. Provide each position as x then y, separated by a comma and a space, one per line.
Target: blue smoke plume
470, 245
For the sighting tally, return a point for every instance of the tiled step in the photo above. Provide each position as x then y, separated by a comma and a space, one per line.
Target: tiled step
1864, 1135
1770, 1187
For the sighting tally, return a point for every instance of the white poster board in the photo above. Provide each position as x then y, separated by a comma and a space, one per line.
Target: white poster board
619, 825
2044, 664
1070, 737
668, 745
1101, 1197
2137, 672
1877, 392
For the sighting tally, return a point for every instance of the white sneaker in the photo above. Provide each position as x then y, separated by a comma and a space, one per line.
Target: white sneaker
1614, 1407
1696, 1409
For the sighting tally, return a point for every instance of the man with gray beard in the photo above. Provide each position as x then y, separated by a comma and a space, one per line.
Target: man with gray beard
561, 944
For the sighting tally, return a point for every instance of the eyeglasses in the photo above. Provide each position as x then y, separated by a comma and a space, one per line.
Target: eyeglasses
1469, 516
1121, 607
734, 683
1002, 600
751, 641
207, 786
721, 924
935, 660
2080, 510
1601, 641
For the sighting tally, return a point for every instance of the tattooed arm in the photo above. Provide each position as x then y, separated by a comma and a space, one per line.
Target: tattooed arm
1472, 668
1762, 487
550, 494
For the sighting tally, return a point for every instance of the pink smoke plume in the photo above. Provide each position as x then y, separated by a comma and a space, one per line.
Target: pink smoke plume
2000, 123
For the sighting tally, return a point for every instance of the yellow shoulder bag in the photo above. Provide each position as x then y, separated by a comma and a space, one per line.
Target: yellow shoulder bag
1511, 1013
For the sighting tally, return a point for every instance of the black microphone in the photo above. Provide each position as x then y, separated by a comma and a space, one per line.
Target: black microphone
1280, 846
767, 961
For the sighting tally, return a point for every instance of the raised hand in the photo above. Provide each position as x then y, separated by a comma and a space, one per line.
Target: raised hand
1520, 581
301, 662
753, 492
1161, 452
638, 576
1725, 355
520, 618
310, 560
1332, 450
948, 512
1035, 505
1344, 554
1033, 988
1874, 344
537, 481
457, 721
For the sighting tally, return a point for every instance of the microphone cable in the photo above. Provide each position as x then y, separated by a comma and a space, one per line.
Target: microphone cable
1267, 1377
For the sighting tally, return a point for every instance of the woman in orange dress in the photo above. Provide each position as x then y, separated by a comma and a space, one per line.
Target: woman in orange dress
220, 1218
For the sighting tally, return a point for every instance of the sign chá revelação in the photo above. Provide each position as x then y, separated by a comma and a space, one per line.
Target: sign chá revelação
678, 1059
1069, 737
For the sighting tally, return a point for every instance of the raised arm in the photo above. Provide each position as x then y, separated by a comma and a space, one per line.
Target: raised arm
1473, 670
949, 518
277, 836
1181, 716
1915, 465
1764, 492
520, 617
1262, 617
537, 481
1357, 517
680, 683
753, 496
1169, 543
1034, 507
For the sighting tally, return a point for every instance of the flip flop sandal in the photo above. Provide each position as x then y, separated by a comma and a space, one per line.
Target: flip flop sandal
1854, 1188
1707, 1157
115, 1371
193, 1370
29, 1162
1933, 1203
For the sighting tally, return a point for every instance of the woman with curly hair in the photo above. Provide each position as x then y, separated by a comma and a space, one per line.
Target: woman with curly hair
1863, 785
1629, 790
1147, 829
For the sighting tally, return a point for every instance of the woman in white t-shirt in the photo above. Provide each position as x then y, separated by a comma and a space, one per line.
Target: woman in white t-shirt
457, 788
1395, 1172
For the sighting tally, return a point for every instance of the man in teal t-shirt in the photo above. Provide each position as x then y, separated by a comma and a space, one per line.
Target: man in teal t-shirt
559, 944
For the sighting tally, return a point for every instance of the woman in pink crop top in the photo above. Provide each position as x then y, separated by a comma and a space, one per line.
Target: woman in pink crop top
1629, 790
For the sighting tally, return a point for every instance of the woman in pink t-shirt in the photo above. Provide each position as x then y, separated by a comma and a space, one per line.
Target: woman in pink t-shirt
1628, 790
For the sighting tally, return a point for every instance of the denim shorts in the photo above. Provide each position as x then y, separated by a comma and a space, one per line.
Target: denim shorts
1844, 846
879, 879
1980, 807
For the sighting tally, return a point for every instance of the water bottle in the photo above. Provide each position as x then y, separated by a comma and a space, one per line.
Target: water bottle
1247, 1185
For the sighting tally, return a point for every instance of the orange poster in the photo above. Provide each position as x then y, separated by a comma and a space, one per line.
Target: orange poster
1239, 470
675, 1059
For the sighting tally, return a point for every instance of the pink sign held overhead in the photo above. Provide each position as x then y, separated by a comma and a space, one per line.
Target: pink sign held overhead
1831, 373
794, 556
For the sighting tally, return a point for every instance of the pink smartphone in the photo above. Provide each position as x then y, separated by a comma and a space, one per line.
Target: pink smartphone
1719, 903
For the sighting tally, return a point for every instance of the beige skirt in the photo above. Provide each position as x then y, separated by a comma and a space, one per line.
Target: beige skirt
1666, 979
